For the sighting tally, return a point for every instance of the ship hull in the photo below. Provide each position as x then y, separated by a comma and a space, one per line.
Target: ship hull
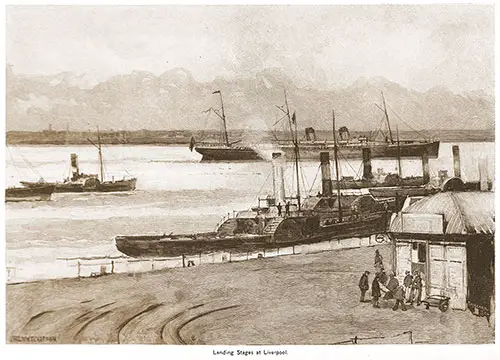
300, 227
310, 151
227, 153
166, 246
40, 193
78, 187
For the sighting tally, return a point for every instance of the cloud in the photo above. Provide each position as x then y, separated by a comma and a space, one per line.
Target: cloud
326, 46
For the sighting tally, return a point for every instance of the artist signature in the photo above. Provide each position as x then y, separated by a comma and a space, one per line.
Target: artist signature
33, 339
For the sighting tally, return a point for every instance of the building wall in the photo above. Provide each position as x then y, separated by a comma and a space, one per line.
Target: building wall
443, 267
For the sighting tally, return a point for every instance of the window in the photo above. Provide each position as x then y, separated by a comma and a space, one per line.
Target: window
422, 253
419, 252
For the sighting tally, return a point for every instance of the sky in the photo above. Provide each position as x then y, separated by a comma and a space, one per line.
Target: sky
417, 46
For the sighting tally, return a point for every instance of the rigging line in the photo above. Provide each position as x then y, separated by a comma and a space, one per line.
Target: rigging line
404, 122
14, 163
264, 184
315, 177
348, 163
30, 165
304, 179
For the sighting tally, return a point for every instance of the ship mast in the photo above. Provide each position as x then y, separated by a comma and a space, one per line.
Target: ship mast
99, 148
387, 118
101, 164
223, 117
336, 166
398, 154
295, 145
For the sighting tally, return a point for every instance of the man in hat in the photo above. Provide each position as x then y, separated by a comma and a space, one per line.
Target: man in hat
416, 288
399, 295
407, 282
378, 260
392, 285
363, 285
375, 291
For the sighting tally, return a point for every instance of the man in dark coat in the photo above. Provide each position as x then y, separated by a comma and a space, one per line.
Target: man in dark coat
416, 289
399, 295
392, 285
407, 282
383, 276
378, 260
279, 209
375, 292
363, 285
287, 208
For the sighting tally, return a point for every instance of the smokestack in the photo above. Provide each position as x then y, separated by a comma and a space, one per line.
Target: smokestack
74, 165
278, 182
326, 178
456, 160
425, 166
367, 163
483, 175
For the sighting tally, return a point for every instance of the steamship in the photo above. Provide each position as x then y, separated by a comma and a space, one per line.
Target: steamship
80, 182
350, 148
224, 151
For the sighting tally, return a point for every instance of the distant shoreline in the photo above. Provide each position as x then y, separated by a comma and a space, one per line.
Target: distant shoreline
183, 137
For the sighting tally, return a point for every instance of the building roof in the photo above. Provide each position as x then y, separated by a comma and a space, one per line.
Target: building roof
464, 212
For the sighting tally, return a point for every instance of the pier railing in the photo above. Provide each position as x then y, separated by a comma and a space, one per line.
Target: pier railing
78, 267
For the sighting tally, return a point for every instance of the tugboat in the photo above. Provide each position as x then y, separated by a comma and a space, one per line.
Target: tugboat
80, 182
36, 193
225, 151
319, 218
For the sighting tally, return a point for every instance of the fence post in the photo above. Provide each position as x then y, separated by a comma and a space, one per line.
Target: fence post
79, 267
230, 256
293, 249
183, 261
112, 267
278, 251
411, 337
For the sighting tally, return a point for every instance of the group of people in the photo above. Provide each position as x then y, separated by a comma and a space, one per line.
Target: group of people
408, 292
287, 209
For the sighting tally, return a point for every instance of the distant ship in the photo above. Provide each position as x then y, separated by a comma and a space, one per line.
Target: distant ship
35, 193
80, 182
352, 148
225, 150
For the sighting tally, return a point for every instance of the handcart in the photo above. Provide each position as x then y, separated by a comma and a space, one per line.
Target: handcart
440, 301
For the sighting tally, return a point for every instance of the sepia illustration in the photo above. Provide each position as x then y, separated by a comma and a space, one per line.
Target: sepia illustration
250, 175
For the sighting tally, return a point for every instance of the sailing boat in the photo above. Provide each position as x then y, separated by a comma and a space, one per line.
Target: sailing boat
225, 151
80, 182
266, 226
352, 148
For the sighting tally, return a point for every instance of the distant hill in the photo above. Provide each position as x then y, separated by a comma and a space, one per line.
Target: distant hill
175, 100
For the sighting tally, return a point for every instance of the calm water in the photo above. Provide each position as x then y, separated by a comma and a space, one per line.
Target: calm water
175, 192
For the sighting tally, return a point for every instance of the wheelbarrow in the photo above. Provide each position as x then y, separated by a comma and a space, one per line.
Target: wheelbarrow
440, 301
